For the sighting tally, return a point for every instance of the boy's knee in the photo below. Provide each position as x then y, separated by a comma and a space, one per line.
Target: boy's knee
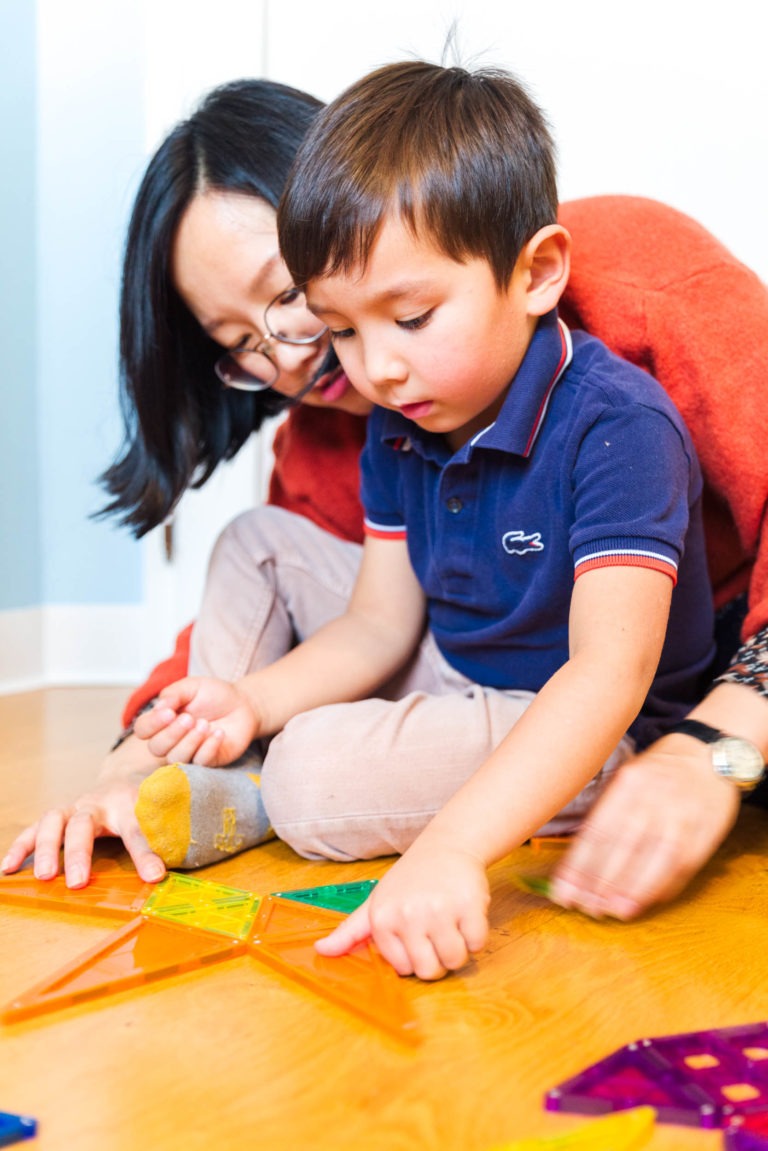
251, 534
304, 783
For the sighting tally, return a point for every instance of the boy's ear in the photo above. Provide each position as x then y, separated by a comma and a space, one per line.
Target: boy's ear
547, 261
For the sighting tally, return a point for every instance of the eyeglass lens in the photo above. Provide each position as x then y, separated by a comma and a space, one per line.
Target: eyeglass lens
248, 371
287, 320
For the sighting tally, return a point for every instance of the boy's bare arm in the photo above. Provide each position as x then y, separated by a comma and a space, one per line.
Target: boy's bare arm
353, 655
618, 622
211, 722
430, 911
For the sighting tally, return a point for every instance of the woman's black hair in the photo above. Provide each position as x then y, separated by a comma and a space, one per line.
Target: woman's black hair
179, 422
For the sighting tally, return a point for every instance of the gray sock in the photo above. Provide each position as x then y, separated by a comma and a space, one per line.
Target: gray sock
192, 816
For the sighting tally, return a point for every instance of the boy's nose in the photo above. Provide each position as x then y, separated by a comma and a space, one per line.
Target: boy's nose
383, 367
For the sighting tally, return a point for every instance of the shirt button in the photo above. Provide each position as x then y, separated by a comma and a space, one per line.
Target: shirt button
454, 505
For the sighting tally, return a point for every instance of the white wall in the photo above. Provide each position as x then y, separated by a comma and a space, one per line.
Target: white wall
659, 98
664, 98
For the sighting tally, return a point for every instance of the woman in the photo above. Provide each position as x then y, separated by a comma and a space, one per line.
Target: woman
207, 354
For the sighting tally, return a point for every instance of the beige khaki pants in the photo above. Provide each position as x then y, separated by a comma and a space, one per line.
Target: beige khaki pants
350, 780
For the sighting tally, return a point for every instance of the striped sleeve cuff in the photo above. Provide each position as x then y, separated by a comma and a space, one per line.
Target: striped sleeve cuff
626, 552
382, 531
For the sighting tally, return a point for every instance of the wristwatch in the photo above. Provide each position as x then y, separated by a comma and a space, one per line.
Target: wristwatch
733, 758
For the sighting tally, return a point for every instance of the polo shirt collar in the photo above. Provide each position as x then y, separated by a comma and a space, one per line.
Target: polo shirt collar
522, 414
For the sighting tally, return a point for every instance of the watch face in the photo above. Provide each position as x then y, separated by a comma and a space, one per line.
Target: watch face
738, 760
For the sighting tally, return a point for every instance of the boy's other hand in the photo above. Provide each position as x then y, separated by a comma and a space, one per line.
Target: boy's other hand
199, 720
426, 916
660, 819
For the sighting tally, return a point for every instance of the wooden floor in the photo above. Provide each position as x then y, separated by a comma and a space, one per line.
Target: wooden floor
235, 1057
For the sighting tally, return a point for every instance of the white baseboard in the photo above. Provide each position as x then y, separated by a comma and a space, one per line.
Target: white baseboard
21, 650
66, 645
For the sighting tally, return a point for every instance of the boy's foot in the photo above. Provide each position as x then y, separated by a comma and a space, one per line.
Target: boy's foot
192, 816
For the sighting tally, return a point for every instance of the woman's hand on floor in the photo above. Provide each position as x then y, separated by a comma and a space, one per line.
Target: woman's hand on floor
108, 809
661, 818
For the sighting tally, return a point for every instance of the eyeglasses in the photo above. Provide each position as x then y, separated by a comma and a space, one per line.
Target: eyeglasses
288, 321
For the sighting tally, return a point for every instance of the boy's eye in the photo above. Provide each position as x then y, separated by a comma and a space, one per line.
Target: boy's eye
416, 323
342, 334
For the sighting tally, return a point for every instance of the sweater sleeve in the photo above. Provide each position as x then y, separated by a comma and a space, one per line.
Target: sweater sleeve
664, 293
317, 469
167, 671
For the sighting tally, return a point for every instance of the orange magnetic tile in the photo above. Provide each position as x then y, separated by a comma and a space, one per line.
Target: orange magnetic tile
111, 893
141, 951
280, 918
361, 981
174, 934
537, 842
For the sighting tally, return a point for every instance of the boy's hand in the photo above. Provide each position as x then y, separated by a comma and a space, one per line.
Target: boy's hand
660, 819
199, 720
426, 916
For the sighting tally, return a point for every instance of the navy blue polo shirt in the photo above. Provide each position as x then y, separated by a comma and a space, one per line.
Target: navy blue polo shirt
588, 463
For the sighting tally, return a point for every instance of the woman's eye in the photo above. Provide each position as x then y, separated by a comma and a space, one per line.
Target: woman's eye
416, 323
342, 334
290, 296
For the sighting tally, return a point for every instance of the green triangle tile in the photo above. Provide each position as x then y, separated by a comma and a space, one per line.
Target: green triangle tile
534, 884
334, 896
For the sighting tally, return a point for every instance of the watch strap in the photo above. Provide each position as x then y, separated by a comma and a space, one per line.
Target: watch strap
698, 730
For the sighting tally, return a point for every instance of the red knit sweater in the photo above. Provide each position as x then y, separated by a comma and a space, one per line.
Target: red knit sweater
659, 290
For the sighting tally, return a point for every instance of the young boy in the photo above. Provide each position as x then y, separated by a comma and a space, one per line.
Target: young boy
531, 499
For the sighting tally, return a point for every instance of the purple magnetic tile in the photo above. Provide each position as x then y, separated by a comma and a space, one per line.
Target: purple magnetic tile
634, 1076
738, 1139
731, 1046
700, 1078
748, 1133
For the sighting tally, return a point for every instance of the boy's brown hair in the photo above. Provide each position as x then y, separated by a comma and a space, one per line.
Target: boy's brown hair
465, 158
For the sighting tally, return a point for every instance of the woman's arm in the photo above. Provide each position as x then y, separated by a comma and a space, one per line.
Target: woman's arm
663, 815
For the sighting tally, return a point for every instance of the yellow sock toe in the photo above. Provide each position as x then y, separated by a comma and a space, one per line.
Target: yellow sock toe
163, 810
